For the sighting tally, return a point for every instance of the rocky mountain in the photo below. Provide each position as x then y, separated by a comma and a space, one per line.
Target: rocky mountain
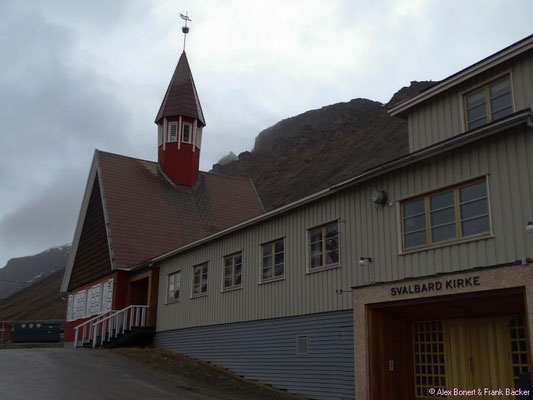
311, 151
21, 272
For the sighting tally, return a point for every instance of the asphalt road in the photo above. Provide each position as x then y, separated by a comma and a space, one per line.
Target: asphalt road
68, 374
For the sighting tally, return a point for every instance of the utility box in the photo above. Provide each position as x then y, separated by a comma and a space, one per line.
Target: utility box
36, 332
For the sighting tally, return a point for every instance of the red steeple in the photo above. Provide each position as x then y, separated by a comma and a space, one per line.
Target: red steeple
180, 121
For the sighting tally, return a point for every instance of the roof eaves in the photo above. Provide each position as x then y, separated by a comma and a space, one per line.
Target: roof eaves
466, 73
441, 147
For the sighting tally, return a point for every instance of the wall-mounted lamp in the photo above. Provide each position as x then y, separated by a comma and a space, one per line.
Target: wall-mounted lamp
363, 260
529, 227
379, 197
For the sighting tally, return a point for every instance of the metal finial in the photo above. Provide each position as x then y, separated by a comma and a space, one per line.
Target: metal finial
185, 29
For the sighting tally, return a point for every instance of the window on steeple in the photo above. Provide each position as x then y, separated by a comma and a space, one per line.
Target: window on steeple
173, 136
199, 137
187, 133
160, 134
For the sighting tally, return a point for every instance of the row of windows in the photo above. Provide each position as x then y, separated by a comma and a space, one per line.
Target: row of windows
171, 135
448, 215
451, 214
323, 253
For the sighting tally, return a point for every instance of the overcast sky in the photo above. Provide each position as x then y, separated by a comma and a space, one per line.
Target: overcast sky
80, 75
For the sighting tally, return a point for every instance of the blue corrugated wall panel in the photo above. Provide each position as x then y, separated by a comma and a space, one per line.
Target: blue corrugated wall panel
265, 350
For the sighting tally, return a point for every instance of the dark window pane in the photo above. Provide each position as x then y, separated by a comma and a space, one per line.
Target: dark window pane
227, 271
316, 261
478, 113
475, 124
500, 88
415, 223
316, 235
500, 102
279, 246
204, 287
267, 261
237, 269
475, 99
228, 261
474, 209
415, 239
441, 200
332, 244
501, 113
279, 258
316, 248
238, 259
267, 250
279, 270
474, 191
267, 273
331, 230
332, 257
238, 280
227, 282
474, 226
443, 233
443, 216
413, 208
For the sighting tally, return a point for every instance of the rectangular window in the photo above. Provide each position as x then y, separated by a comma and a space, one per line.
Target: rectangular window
232, 271
199, 283
273, 260
488, 103
199, 137
324, 246
173, 129
452, 214
174, 284
160, 134
187, 133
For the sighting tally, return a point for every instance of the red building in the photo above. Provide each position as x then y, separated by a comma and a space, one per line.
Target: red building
134, 210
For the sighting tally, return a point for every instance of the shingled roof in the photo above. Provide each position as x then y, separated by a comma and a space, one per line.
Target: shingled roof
148, 215
181, 97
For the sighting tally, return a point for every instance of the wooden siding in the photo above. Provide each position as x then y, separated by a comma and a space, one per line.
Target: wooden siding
266, 351
442, 117
92, 255
365, 231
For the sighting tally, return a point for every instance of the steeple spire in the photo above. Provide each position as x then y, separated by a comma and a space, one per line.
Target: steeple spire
180, 122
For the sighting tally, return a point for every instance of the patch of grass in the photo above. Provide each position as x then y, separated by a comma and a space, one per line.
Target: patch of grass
202, 372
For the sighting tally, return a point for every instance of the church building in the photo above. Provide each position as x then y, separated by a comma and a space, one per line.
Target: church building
413, 276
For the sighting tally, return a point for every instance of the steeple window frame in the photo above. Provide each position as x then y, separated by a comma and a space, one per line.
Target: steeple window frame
190, 133
172, 132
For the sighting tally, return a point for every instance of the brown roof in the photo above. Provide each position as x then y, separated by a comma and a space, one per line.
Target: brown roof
181, 97
149, 216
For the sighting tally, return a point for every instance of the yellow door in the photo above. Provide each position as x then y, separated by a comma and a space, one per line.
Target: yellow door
478, 356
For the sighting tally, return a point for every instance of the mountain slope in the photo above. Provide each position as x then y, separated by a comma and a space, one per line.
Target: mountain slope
19, 272
309, 152
40, 301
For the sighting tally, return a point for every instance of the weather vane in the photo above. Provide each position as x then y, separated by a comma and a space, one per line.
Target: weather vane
185, 29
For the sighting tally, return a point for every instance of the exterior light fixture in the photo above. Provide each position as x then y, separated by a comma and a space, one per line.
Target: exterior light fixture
379, 197
363, 260
529, 227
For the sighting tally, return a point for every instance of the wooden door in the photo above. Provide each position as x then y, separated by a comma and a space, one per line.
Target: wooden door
478, 355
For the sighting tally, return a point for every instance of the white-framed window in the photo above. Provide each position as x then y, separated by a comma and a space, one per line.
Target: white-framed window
199, 280
447, 215
324, 246
173, 132
233, 271
159, 134
186, 136
174, 285
199, 137
94, 299
488, 103
273, 260
70, 308
79, 304
107, 297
